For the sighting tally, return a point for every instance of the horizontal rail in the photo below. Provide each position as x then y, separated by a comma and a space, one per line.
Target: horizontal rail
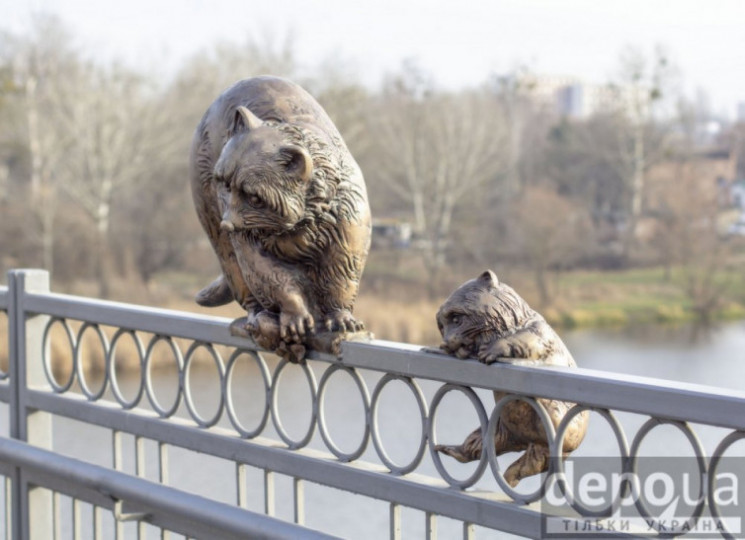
4, 298
148, 319
646, 395
413, 490
185, 513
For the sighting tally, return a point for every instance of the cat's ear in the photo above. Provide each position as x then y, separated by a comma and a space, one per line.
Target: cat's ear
489, 278
243, 120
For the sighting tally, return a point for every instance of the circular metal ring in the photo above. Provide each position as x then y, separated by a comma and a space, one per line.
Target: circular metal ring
186, 384
149, 388
342, 456
111, 368
558, 461
228, 393
648, 426
432, 434
373, 422
92, 396
728, 441
276, 418
47, 362
491, 450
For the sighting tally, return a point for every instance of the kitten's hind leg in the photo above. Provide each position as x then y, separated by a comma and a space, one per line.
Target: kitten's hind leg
535, 460
471, 448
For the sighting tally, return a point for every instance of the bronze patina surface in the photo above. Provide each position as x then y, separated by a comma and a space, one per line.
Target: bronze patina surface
488, 320
284, 205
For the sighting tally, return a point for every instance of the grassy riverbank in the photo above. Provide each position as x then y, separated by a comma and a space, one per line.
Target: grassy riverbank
581, 299
645, 296
395, 303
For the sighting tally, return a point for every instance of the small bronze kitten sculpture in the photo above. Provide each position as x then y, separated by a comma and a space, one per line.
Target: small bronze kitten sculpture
488, 320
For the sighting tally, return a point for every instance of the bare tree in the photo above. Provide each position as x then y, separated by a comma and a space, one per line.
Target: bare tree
347, 102
527, 120
685, 197
687, 203
433, 149
209, 72
42, 64
641, 87
548, 232
117, 134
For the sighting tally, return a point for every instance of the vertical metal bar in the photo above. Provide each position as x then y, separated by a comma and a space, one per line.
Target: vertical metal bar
57, 516
25, 369
163, 468
140, 471
163, 463
468, 531
240, 480
140, 456
8, 508
16, 335
269, 493
76, 520
430, 526
116, 451
395, 521
299, 492
97, 523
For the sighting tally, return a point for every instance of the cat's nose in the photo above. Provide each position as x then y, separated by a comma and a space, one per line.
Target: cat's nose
452, 341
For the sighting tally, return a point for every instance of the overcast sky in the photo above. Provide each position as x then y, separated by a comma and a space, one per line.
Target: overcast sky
460, 41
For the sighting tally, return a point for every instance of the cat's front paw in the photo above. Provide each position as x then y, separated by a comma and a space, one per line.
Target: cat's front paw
342, 320
492, 352
293, 327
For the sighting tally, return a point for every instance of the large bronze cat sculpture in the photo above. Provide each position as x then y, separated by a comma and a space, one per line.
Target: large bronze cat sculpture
284, 205
488, 320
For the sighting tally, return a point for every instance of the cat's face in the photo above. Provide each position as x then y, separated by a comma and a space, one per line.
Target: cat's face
478, 312
463, 317
261, 179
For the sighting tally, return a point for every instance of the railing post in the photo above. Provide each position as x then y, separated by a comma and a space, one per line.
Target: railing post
26, 370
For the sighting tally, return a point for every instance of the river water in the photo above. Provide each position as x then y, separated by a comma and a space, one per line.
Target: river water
713, 356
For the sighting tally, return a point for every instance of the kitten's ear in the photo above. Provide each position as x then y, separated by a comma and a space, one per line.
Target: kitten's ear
489, 278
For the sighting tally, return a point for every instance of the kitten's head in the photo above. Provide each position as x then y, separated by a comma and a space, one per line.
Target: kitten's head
480, 311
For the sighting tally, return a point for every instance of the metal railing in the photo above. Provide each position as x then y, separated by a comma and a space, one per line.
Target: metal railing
48, 492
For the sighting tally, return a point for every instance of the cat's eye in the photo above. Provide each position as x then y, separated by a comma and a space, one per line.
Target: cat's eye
455, 318
256, 201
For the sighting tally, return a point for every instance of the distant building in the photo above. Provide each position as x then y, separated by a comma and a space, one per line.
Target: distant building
573, 98
571, 101
741, 111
